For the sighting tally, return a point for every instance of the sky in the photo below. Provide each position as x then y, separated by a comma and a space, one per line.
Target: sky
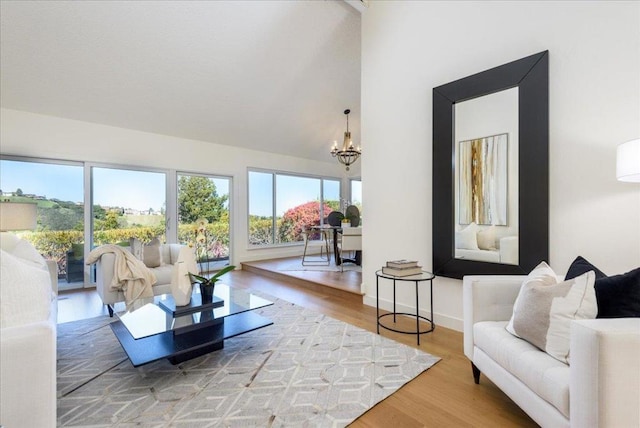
139, 190
291, 192
63, 182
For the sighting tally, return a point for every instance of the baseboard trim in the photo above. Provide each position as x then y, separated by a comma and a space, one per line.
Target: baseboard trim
439, 319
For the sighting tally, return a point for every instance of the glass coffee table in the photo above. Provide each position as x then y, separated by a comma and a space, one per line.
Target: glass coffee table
147, 332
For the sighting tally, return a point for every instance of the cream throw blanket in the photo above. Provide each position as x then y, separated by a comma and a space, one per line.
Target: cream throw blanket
130, 275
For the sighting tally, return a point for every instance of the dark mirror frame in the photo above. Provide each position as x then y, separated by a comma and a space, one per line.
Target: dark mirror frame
531, 76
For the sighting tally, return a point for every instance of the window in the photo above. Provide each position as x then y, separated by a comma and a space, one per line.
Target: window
261, 217
127, 204
282, 205
331, 195
204, 197
356, 194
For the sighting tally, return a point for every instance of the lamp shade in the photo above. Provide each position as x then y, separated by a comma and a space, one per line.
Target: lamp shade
17, 216
628, 161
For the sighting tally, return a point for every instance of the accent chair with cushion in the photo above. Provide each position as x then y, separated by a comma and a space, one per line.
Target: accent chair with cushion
547, 344
159, 258
350, 240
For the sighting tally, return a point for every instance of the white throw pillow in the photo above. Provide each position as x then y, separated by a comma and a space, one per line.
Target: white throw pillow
151, 255
27, 252
541, 274
467, 239
487, 238
8, 241
543, 312
25, 291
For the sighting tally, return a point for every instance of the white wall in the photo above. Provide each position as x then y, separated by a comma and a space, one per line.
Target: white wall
28, 134
408, 48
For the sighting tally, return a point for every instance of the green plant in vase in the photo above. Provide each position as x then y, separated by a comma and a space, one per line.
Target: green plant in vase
206, 284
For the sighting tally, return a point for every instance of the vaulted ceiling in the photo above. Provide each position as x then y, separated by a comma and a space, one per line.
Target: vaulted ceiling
266, 75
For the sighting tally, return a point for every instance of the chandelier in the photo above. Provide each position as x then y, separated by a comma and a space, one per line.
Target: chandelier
348, 154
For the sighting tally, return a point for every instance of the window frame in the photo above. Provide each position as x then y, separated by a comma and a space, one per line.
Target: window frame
171, 198
229, 201
274, 174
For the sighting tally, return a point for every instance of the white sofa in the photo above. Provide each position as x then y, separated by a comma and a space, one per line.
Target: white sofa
170, 254
601, 387
27, 336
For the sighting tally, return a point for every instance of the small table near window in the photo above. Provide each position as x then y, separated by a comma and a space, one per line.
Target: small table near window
419, 280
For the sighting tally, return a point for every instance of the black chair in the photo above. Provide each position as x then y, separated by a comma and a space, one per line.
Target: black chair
335, 218
353, 214
75, 263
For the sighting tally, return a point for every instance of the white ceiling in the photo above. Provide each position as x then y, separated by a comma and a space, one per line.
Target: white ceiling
266, 75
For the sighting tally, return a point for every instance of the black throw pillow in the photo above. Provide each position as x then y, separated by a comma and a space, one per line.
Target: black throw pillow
618, 296
580, 266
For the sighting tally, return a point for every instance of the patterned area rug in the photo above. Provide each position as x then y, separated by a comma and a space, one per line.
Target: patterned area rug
305, 370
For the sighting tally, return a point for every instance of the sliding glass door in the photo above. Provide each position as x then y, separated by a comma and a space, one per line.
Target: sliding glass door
126, 203
204, 218
57, 190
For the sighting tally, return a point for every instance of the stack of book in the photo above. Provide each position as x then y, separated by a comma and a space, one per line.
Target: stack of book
402, 268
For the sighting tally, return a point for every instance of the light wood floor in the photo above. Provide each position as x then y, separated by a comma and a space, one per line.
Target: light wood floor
329, 276
443, 396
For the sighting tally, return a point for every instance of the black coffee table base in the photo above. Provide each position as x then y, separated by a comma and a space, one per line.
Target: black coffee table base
178, 348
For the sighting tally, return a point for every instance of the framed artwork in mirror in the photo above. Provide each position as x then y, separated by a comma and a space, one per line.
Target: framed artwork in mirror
482, 172
484, 177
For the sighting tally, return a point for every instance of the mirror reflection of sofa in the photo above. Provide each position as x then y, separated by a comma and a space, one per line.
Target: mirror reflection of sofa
485, 244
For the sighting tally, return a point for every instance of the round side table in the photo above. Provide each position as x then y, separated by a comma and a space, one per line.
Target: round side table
418, 279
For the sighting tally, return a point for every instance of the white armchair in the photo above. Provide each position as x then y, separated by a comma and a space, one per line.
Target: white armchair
351, 240
601, 387
105, 270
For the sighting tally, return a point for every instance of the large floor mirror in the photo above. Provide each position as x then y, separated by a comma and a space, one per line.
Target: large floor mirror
490, 170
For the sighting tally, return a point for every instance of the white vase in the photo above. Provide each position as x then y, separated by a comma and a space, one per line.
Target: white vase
181, 284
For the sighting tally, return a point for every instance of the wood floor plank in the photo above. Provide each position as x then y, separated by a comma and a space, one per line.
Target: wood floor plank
443, 396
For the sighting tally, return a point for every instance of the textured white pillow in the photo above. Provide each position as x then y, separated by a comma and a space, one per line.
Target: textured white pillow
467, 239
151, 255
544, 312
541, 275
487, 238
25, 291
